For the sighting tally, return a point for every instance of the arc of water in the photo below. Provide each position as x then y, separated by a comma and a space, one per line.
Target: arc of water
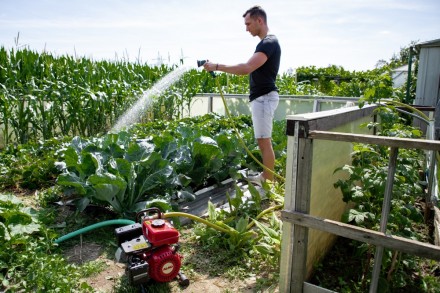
144, 102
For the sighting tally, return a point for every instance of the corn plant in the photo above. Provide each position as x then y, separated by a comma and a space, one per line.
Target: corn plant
42, 96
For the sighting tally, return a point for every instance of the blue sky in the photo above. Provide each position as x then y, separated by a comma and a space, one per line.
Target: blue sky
354, 34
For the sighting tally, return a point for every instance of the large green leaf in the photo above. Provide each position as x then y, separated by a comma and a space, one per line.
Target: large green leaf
207, 159
166, 144
13, 217
242, 225
138, 151
20, 229
89, 164
156, 172
269, 232
182, 160
127, 171
78, 144
109, 188
124, 168
114, 144
70, 179
71, 158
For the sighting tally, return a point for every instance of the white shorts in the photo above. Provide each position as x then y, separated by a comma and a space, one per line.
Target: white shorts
263, 109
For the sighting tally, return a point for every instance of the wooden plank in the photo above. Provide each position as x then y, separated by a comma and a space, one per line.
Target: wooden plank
410, 246
407, 143
437, 226
310, 288
295, 237
386, 206
287, 242
326, 120
302, 204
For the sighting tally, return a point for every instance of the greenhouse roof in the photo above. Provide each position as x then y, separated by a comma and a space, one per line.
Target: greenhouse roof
433, 43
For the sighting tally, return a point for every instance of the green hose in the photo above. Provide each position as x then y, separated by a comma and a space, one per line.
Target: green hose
230, 231
130, 222
94, 226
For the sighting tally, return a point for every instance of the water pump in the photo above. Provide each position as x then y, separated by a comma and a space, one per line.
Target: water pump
150, 248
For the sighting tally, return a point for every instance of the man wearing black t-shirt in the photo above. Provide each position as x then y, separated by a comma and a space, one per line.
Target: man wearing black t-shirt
262, 69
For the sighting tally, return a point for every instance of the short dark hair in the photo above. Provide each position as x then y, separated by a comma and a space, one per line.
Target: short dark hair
256, 11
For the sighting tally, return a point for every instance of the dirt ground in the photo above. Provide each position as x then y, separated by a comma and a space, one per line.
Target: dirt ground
108, 278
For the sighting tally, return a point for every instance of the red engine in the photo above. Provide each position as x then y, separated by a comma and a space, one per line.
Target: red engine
151, 249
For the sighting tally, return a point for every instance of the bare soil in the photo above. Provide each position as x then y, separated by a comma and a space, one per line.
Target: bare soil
109, 277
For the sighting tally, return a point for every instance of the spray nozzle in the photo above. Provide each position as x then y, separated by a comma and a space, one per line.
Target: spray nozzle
201, 62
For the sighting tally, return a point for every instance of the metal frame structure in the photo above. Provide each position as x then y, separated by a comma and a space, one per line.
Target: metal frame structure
302, 131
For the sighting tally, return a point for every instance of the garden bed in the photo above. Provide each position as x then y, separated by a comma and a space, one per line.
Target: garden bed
208, 270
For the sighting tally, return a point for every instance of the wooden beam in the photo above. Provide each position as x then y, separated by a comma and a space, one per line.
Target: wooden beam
302, 205
310, 288
407, 143
327, 120
361, 234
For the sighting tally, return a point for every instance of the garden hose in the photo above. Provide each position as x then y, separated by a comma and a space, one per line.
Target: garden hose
421, 114
215, 226
231, 231
93, 227
280, 206
228, 114
198, 219
130, 222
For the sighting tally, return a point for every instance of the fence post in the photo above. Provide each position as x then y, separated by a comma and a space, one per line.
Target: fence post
297, 198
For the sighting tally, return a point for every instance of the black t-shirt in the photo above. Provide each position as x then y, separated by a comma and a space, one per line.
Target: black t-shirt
262, 80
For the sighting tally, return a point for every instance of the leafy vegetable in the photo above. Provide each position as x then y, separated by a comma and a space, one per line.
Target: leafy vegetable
165, 160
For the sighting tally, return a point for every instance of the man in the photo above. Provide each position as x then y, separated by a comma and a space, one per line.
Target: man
262, 68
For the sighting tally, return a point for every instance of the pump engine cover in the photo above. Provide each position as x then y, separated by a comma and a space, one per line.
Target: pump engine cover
164, 264
160, 232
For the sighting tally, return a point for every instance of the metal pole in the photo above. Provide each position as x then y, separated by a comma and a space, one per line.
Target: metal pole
408, 81
384, 218
432, 164
315, 105
210, 100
